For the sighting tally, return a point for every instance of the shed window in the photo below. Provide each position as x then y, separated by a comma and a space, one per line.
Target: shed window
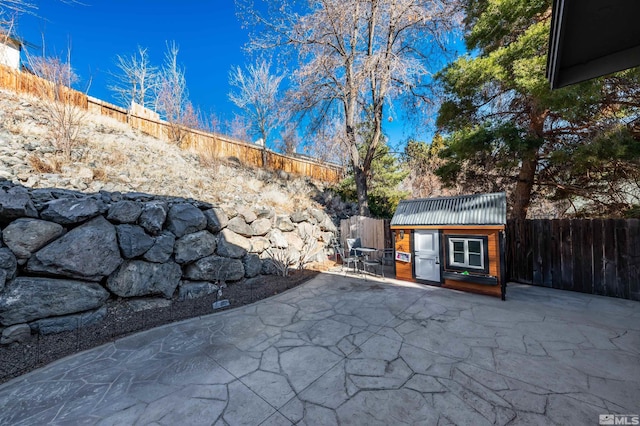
467, 252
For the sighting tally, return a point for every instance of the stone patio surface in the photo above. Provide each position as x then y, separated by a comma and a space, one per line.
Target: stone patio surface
341, 350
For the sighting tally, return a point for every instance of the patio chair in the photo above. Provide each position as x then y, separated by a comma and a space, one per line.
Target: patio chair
353, 243
375, 263
347, 260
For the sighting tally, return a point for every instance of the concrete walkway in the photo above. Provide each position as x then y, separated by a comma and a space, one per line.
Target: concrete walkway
341, 350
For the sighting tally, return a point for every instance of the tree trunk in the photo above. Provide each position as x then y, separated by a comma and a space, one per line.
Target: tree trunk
361, 190
524, 188
264, 155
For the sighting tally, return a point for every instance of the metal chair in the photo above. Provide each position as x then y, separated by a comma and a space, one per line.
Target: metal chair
375, 262
347, 259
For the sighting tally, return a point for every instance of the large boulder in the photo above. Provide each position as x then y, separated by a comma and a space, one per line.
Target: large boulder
162, 248
15, 202
124, 212
26, 236
246, 212
133, 240
261, 226
194, 246
140, 278
185, 219
284, 223
232, 245
277, 239
27, 299
239, 226
195, 289
153, 216
8, 266
89, 251
216, 269
252, 265
217, 219
293, 240
68, 322
68, 211
299, 216
259, 244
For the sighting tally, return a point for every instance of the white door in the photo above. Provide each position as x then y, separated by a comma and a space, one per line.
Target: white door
426, 248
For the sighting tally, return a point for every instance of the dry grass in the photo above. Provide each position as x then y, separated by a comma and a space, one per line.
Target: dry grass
49, 165
100, 174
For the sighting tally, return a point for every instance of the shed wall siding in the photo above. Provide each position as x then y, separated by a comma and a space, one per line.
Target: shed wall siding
493, 249
404, 270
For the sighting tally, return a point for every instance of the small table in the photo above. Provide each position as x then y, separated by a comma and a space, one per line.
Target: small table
366, 251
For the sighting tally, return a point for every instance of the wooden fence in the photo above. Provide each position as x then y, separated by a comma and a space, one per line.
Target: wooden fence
596, 256
219, 145
374, 233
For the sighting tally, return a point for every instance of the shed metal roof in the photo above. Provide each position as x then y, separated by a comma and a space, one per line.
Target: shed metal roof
478, 209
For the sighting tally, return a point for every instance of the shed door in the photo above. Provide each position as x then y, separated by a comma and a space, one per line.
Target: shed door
427, 255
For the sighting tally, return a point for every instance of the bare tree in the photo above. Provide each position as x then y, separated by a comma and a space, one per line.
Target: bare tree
58, 100
136, 80
9, 9
238, 128
173, 96
358, 56
256, 94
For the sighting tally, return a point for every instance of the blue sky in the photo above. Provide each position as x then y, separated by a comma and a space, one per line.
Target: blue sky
210, 36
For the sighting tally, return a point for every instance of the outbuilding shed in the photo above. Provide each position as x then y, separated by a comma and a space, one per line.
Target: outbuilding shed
453, 242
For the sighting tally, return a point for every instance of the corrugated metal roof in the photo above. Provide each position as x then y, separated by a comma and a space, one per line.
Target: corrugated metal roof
478, 209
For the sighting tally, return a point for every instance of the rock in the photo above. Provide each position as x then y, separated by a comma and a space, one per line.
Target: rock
68, 322
185, 219
68, 211
269, 267
216, 269
306, 230
27, 299
284, 223
252, 265
299, 216
139, 278
15, 203
133, 240
26, 236
327, 237
217, 220
261, 226
232, 245
125, 212
3, 279
239, 226
248, 215
8, 263
328, 225
162, 248
146, 304
16, 333
293, 240
153, 216
277, 239
195, 289
259, 244
194, 246
317, 214
89, 251
264, 212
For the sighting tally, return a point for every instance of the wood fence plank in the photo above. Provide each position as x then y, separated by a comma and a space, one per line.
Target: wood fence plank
576, 243
598, 257
566, 250
586, 256
536, 252
547, 242
622, 246
634, 259
556, 255
610, 258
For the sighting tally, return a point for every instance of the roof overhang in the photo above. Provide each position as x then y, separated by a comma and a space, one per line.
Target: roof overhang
591, 38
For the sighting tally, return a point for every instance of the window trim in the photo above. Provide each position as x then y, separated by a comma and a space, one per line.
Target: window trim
454, 266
